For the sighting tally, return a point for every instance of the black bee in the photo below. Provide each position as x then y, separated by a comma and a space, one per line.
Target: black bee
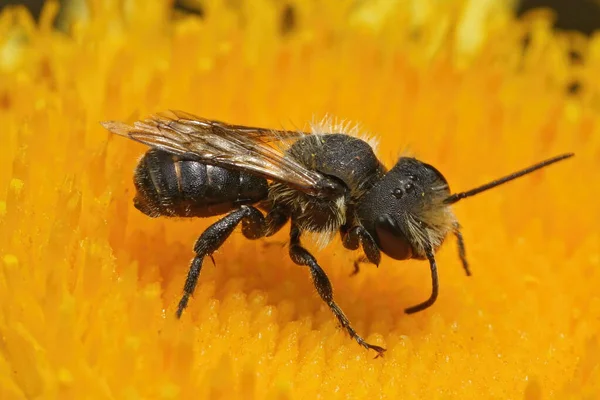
323, 183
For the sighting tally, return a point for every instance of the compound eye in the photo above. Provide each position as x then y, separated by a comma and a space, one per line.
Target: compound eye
397, 193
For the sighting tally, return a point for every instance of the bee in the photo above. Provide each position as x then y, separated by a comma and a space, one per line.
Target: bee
322, 183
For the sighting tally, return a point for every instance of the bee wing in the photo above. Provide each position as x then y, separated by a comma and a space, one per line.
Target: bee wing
255, 150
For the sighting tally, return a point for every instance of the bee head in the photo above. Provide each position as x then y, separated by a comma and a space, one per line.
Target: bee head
405, 210
408, 210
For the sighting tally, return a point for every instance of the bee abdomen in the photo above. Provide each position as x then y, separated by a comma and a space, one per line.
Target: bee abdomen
173, 187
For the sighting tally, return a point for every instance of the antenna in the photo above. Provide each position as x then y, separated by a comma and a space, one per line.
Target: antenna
459, 196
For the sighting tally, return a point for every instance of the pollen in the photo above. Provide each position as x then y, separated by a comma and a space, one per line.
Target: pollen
89, 285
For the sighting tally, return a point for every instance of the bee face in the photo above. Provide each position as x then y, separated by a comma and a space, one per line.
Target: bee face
406, 209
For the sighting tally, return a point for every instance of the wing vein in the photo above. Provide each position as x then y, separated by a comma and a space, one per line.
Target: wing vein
254, 150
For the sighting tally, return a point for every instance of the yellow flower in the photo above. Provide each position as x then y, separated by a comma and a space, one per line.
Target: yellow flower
88, 285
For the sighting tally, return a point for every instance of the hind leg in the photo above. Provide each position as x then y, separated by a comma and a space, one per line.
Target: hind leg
254, 226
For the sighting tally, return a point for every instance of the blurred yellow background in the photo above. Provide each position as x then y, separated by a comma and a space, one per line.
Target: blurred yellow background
88, 285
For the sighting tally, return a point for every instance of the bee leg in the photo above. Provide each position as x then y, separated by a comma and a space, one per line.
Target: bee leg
301, 256
254, 226
434, 283
278, 243
275, 220
356, 236
461, 249
357, 262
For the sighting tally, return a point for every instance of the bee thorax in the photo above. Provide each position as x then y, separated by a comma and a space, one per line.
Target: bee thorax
311, 213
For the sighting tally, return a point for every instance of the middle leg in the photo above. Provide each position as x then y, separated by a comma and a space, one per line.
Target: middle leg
301, 256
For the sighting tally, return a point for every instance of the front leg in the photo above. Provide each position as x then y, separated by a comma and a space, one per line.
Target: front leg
356, 236
434, 283
461, 248
301, 256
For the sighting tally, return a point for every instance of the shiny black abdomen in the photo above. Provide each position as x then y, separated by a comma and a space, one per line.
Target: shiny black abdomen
173, 187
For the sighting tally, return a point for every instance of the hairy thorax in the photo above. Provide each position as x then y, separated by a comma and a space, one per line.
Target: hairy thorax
349, 161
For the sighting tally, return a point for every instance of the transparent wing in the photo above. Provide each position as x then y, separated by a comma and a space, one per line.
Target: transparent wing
255, 150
